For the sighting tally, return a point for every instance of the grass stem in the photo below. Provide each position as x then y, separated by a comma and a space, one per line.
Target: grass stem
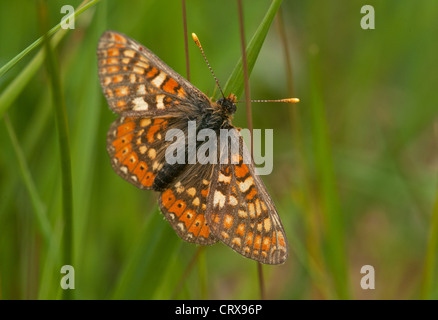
64, 144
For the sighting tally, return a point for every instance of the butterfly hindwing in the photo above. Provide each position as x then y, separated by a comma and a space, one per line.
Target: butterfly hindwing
137, 148
184, 204
240, 211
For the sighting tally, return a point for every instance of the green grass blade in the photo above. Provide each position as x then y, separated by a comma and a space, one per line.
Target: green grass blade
310, 255
37, 203
332, 215
49, 285
147, 264
85, 143
19, 83
64, 145
235, 83
40, 40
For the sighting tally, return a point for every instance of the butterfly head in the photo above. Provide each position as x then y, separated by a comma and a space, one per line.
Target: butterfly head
228, 104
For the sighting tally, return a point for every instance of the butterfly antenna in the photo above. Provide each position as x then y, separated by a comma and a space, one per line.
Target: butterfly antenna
198, 43
288, 100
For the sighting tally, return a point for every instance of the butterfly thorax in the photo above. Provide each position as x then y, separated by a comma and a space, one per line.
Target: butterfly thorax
219, 114
228, 105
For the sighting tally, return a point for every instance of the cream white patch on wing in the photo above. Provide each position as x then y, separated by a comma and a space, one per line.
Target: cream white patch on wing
141, 89
158, 80
219, 199
224, 178
245, 185
160, 104
140, 104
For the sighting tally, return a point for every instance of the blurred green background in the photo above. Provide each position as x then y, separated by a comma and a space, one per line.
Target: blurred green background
355, 162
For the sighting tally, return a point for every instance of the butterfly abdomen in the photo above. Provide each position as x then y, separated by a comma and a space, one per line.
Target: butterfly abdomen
167, 174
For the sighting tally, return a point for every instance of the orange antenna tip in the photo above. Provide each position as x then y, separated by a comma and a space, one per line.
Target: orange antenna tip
291, 100
195, 38
198, 43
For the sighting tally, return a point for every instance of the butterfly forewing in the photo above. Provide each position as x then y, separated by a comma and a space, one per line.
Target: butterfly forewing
240, 211
137, 82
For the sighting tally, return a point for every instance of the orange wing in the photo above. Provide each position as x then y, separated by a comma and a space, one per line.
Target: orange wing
240, 211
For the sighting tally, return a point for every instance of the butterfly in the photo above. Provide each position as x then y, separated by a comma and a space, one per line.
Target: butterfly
204, 203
